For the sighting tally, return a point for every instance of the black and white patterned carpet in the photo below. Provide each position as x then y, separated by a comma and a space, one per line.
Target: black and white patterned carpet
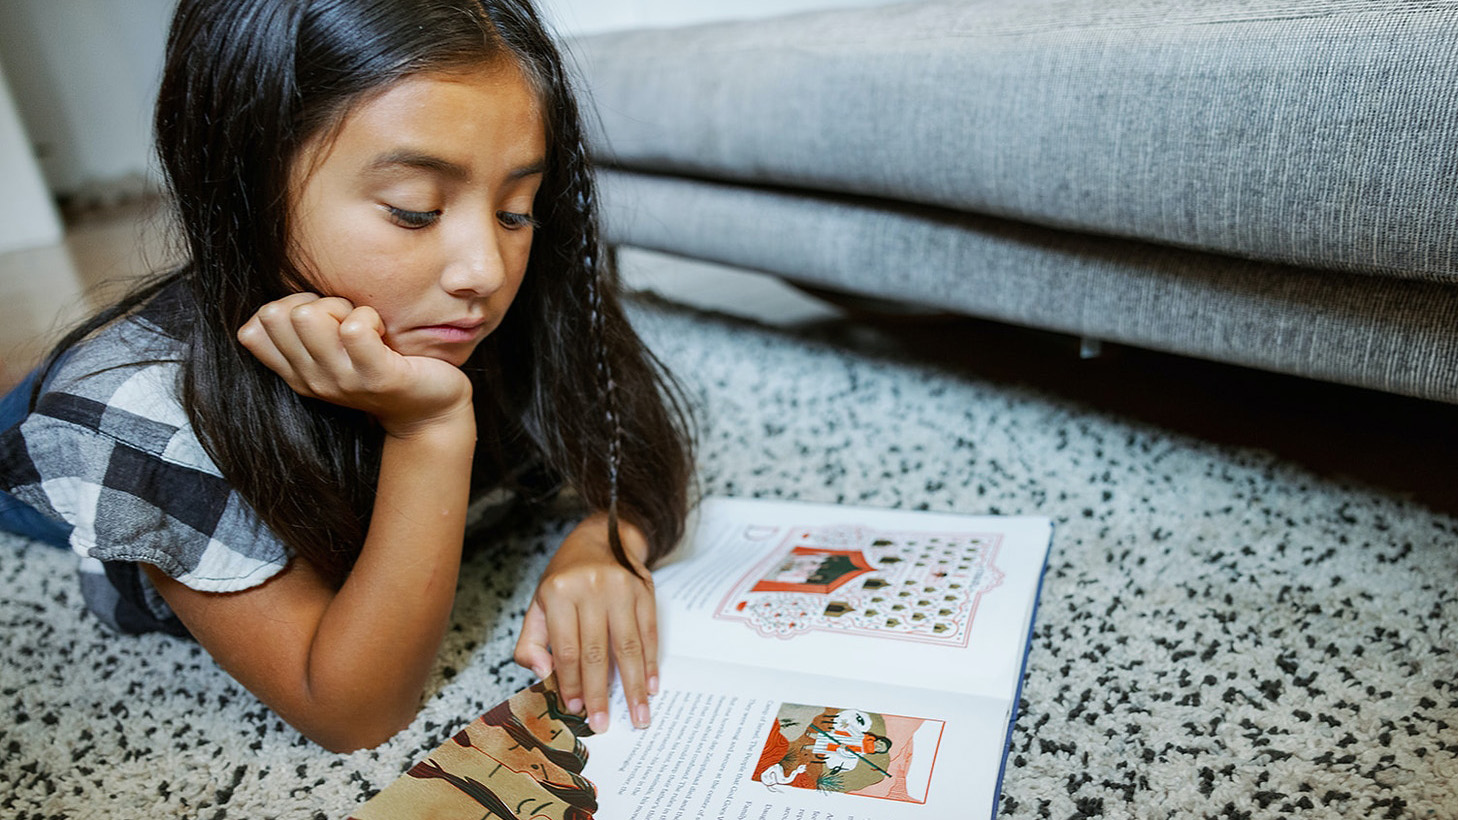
1222, 633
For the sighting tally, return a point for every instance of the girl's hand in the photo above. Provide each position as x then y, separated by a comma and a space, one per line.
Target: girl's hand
588, 611
328, 349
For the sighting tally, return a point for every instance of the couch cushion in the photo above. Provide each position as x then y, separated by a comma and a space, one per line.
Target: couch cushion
1379, 332
1318, 133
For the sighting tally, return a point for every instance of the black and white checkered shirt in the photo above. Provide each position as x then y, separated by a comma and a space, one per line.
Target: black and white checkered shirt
109, 451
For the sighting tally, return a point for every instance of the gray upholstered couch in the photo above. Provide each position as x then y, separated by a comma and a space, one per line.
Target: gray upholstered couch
1266, 182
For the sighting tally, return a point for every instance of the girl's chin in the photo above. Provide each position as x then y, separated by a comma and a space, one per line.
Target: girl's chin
457, 357
451, 352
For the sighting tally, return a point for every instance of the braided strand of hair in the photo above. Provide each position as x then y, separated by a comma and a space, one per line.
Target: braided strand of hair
589, 257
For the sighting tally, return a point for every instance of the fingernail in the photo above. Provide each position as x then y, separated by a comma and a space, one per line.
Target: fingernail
542, 672
653, 685
575, 706
640, 716
598, 722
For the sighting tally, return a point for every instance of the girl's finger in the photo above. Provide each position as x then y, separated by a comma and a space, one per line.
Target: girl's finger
531, 647
276, 321
629, 649
596, 665
647, 611
256, 340
316, 324
562, 636
362, 332
269, 336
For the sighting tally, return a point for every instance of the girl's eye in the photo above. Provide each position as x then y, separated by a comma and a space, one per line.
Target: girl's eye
413, 220
516, 221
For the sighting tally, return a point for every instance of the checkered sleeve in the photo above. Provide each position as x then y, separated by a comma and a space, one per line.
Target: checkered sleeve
112, 454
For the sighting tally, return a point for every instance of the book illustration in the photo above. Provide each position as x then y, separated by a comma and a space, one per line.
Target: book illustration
850, 751
913, 586
522, 759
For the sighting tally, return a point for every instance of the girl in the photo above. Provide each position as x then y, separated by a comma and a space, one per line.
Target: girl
395, 300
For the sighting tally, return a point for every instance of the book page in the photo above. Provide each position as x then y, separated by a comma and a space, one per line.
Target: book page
744, 743
883, 596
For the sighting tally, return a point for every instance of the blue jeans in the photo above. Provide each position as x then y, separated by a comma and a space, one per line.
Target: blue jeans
15, 515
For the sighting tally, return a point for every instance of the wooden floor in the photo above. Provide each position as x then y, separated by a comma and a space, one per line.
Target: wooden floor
44, 290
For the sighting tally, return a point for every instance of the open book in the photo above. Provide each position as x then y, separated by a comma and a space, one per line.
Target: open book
817, 663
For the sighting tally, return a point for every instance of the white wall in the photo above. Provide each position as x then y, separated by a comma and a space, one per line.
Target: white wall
27, 218
84, 74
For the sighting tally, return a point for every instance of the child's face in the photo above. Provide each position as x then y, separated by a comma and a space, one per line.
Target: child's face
420, 206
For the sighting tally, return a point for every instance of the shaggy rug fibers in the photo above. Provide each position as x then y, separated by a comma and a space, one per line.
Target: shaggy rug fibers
1221, 634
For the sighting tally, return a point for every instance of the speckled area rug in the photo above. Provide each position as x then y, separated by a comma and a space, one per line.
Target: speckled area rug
1221, 634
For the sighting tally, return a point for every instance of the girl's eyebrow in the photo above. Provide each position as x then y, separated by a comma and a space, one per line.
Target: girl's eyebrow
529, 170
407, 159
416, 160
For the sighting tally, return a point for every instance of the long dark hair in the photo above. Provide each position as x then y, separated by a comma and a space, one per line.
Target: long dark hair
563, 379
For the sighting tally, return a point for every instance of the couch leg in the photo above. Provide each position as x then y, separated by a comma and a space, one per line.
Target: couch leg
1089, 348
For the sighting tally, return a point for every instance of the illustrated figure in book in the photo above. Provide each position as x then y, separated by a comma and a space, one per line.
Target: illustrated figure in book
847, 742
827, 749
521, 759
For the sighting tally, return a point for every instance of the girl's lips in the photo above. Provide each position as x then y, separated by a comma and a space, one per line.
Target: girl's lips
466, 330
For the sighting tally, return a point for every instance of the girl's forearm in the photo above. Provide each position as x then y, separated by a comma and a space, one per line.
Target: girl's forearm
379, 637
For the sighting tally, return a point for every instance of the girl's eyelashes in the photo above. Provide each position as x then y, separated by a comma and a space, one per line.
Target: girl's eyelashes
516, 221
412, 220
415, 220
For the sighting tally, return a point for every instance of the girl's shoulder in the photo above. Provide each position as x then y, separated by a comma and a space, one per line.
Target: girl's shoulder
122, 383
100, 365
124, 378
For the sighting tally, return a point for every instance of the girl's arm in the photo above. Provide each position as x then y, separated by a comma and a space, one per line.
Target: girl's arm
347, 667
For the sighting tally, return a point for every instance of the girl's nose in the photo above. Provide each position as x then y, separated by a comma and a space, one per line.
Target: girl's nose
477, 268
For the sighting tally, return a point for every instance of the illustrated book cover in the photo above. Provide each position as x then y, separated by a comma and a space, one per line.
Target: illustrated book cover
818, 662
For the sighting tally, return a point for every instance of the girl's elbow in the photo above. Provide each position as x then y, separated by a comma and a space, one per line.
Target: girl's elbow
348, 745
356, 732
353, 739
